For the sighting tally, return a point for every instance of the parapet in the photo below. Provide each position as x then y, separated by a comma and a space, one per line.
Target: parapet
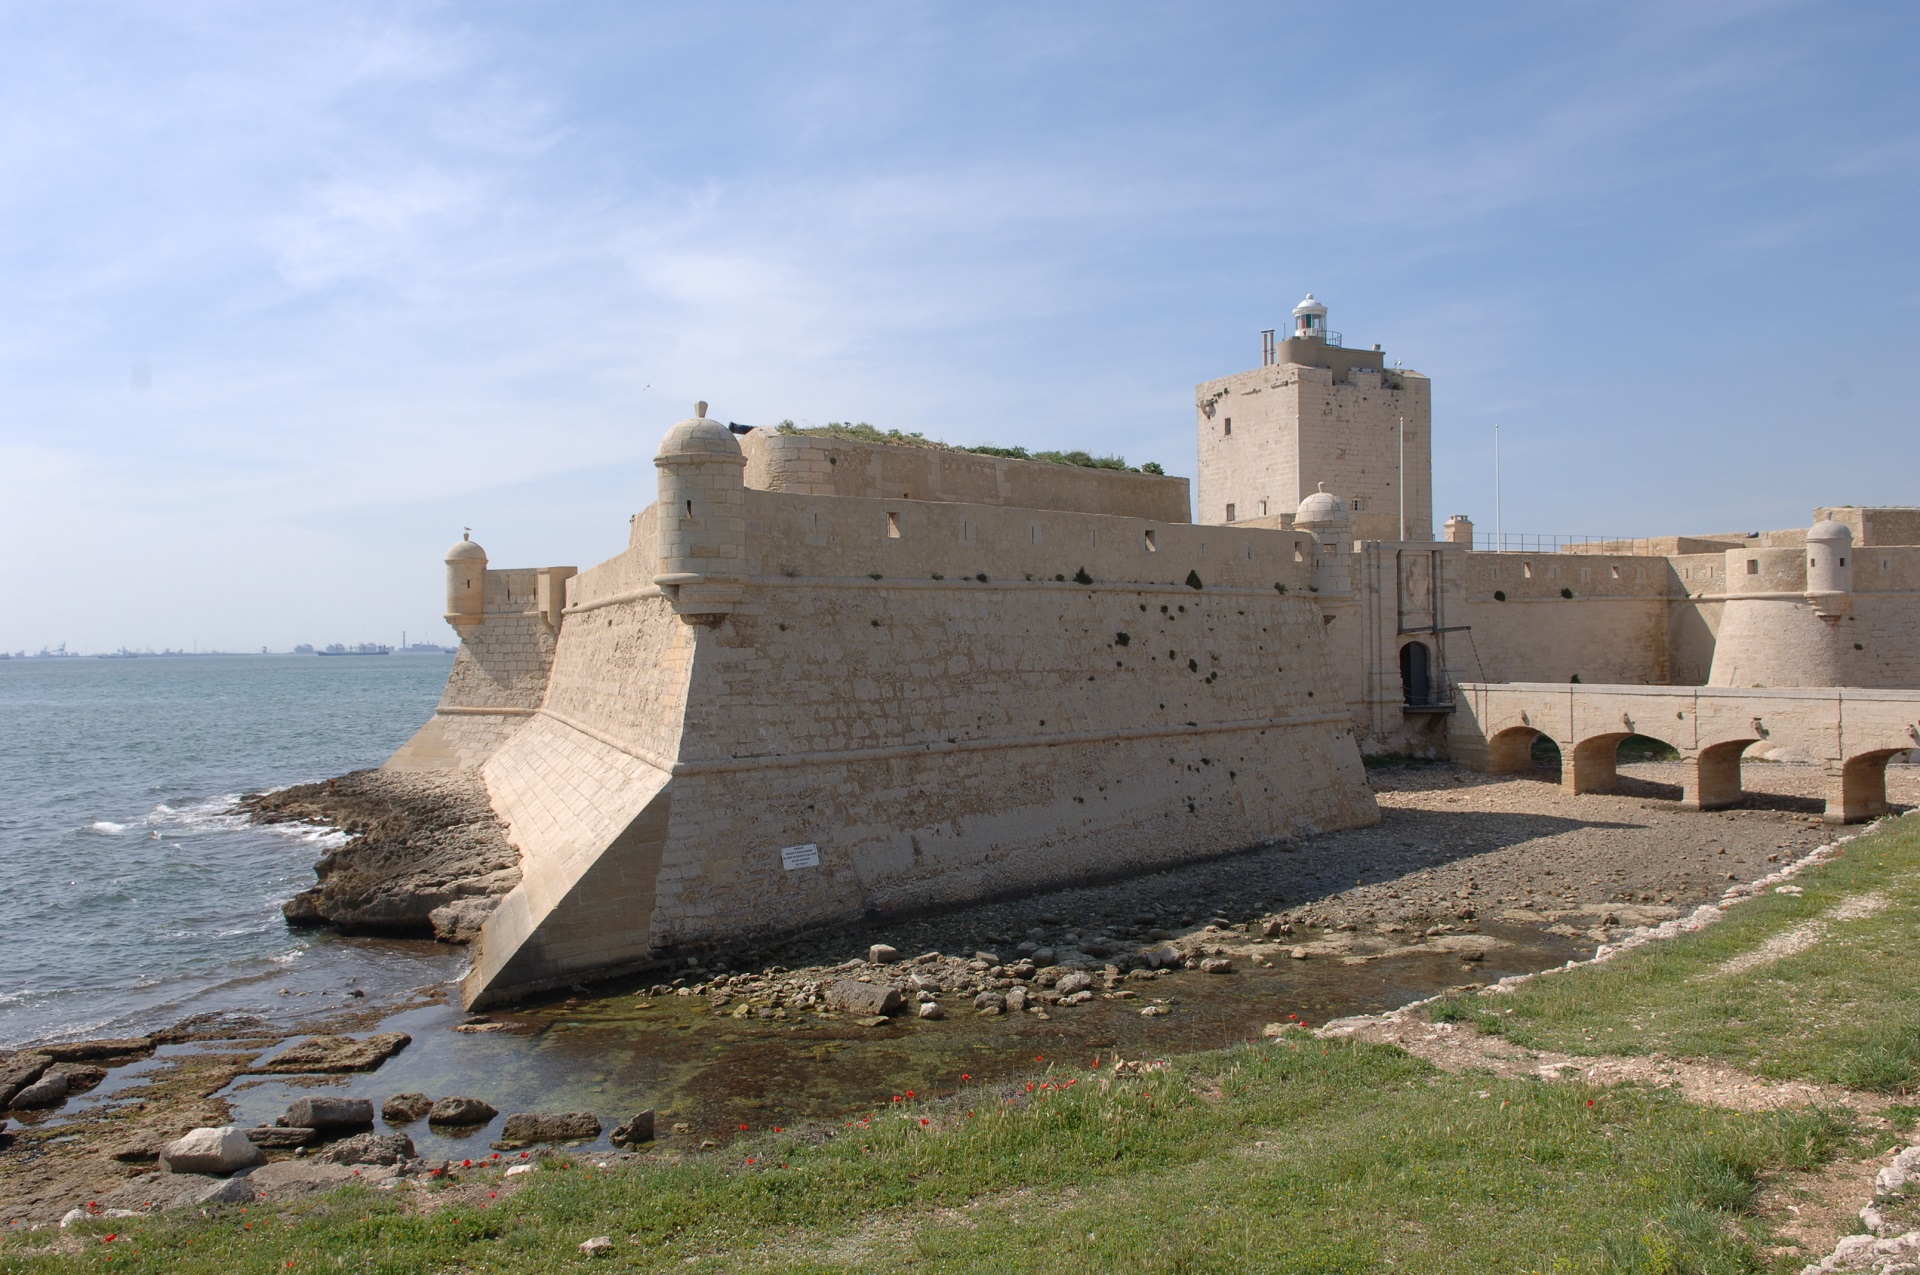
819, 465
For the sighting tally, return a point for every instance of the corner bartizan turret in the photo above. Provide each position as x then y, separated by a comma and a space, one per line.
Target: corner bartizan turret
1324, 516
466, 585
1830, 568
702, 519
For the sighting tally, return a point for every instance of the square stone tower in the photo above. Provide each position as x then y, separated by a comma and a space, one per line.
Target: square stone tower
1316, 412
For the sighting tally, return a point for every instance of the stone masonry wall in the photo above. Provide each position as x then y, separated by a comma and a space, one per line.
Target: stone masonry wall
817, 465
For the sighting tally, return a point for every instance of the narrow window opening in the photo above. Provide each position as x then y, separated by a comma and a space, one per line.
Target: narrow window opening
1229, 511
1229, 428
1526, 569
689, 509
1813, 562
1249, 553
1616, 572
1263, 509
1843, 562
1753, 566
1033, 530
1152, 545
893, 525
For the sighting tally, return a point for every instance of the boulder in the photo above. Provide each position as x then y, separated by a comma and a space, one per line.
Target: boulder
329, 1113
460, 920
1016, 1001
17, 1071
212, 1151
597, 1245
635, 1132
567, 1126
370, 1148
280, 1139
989, 1002
866, 999
335, 1054
1216, 965
89, 1050
1073, 981
48, 1091
931, 1010
883, 954
461, 1111
403, 1107
1164, 957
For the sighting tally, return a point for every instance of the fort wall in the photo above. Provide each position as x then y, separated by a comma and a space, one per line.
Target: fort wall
823, 465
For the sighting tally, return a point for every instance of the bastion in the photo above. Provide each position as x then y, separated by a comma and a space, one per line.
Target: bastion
887, 681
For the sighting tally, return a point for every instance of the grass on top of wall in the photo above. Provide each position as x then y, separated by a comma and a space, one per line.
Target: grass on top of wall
1831, 998
860, 431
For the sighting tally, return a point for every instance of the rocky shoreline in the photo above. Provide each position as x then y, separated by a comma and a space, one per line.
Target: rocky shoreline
426, 856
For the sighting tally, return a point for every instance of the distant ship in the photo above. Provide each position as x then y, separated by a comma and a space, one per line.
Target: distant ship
365, 648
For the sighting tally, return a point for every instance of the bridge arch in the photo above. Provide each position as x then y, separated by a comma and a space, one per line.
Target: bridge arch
1510, 751
1713, 775
1857, 787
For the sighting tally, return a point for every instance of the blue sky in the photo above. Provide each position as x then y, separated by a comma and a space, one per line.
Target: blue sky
290, 293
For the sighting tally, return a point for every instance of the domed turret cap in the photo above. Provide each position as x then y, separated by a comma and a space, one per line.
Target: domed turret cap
1827, 530
699, 437
1310, 306
1320, 509
465, 550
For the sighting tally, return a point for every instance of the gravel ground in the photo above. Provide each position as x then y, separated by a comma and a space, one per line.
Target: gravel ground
1452, 847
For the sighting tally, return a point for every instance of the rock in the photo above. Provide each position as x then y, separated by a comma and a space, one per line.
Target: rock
89, 1050
635, 1132
1216, 965
991, 958
80, 1078
461, 1111
154, 1192
48, 1091
1274, 928
1016, 1000
421, 841
285, 1178
331, 1054
20, 1070
854, 997
1073, 982
931, 1010
1042, 956
215, 1151
1080, 997
460, 920
883, 954
1298, 953
403, 1107
990, 1002
370, 1148
139, 1152
873, 1020
597, 1245
564, 1127
1154, 1011
330, 1113
274, 1137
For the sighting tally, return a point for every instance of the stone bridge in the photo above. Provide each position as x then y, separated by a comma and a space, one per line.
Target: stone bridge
1853, 733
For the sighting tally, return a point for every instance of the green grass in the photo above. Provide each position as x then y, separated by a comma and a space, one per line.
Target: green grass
1302, 1155
1844, 1011
863, 432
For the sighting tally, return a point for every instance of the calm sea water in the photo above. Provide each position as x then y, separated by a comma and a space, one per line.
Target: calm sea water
131, 892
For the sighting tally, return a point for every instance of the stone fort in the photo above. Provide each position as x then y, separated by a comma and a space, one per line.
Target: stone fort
829, 679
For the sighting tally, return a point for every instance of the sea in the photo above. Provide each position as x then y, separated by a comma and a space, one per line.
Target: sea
133, 891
